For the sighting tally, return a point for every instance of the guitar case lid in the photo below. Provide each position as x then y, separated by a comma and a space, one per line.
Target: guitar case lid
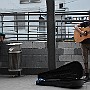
68, 76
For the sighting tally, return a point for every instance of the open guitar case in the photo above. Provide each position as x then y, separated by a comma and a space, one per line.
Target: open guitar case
67, 76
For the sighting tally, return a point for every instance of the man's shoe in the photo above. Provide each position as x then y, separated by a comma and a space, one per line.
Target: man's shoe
87, 78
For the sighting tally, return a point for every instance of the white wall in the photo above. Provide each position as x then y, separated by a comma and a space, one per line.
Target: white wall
8, 5
14, 5
78, 4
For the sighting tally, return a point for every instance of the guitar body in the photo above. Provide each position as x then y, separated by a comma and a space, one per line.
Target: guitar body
78, 37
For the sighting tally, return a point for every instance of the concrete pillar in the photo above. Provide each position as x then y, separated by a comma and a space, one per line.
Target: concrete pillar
51, 33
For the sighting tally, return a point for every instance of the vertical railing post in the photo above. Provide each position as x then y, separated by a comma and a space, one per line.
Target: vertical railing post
2, 22
28, 26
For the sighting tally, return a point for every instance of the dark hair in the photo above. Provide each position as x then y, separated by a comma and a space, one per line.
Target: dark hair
1, 34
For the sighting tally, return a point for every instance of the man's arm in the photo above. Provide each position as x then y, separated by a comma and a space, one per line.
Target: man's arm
77, 28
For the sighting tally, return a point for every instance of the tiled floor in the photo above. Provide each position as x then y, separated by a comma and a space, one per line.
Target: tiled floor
28, 83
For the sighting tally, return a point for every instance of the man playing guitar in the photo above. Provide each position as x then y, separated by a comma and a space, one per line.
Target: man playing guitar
85, 45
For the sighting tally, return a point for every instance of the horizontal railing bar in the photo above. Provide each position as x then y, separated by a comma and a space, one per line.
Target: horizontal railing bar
44, 13
24, 34
43, 20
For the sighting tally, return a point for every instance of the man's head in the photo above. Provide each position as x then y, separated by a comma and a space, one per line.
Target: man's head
2, 37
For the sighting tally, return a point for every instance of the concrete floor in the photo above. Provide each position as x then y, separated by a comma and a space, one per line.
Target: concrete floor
28, 83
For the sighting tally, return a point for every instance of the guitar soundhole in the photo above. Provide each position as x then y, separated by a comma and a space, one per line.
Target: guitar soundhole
80, 35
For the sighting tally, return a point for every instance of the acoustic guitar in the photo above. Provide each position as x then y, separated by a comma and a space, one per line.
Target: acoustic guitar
79, 37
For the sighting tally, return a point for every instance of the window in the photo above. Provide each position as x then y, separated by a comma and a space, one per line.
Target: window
20, 25
29, 1
61, 5
24, 1
35, 1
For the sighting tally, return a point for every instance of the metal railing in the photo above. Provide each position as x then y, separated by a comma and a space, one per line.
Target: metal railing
33, 25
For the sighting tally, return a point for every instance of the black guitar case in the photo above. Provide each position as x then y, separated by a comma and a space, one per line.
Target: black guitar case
68, 76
